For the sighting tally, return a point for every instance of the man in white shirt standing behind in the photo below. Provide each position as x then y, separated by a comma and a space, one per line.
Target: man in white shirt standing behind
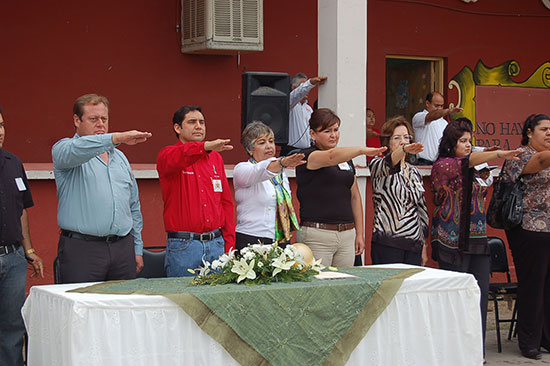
428, 127
300, 112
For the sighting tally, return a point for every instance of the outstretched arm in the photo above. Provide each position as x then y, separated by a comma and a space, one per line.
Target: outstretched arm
291, 161
172, 159
218, 145
437, 114
304, 88
130, 137
322, 158
399, 153
480, 157
72, 152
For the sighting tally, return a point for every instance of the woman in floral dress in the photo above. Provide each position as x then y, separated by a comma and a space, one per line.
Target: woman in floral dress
459, 238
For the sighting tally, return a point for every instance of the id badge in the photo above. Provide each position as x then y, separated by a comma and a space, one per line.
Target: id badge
217, 184
344, 166
481, 182
419, 186
20, 184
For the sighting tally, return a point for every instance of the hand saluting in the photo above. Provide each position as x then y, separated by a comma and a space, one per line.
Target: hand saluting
413, 148
508, 154
130, 137
375, 151
218, 145
293, 160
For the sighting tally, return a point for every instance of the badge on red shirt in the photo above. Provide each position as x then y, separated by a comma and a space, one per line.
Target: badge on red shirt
217, 184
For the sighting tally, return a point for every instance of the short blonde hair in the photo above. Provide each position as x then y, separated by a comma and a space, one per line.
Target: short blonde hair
93, 99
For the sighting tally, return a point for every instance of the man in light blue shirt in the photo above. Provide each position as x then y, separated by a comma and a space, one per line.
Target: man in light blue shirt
99, 211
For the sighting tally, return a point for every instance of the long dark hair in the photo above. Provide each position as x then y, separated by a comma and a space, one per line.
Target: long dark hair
452, 133
530, 123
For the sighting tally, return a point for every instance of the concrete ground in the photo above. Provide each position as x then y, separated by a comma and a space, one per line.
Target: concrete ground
510, 354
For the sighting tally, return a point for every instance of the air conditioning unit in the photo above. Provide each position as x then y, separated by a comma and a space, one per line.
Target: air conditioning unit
221, 26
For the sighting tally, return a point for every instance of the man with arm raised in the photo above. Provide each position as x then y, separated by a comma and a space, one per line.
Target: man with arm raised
198, 207
428, 126
99, 212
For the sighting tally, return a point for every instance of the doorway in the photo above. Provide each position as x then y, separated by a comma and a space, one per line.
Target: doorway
408, 80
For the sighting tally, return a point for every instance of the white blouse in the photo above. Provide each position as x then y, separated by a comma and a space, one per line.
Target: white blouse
255, 197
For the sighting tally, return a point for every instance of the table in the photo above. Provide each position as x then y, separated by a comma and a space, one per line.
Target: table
434, 319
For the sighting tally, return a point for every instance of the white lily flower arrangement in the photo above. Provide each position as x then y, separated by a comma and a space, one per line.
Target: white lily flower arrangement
257, 264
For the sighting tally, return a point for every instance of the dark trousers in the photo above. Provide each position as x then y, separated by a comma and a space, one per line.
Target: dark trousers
242, 240
479, 266
383, 254
92, 261
531, 253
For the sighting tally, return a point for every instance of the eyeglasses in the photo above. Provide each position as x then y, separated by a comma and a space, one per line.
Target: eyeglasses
404, 137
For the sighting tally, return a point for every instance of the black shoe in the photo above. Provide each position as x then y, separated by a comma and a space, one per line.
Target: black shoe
532, 354
546, 347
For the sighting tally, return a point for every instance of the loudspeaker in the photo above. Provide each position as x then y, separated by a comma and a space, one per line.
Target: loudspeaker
265, 98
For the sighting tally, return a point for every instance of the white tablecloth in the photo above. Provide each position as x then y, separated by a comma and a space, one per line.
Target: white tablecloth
434, 319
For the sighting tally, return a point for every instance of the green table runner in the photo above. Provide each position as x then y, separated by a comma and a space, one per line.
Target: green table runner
300, 323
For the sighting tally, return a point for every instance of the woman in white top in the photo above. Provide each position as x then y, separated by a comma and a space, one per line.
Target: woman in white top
262, 191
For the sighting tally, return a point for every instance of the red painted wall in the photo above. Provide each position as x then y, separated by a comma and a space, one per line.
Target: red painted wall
130, 52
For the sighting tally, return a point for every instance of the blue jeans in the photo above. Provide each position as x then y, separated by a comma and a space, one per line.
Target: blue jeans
183, 254
13, 276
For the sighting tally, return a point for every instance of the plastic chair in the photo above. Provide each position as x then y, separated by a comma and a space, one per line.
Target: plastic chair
499, 264
153, 262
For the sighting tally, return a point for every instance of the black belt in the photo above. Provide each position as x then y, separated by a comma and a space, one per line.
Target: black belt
195, 236
7, 249
105, 239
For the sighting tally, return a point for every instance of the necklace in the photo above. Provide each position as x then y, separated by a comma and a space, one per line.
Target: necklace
406, 172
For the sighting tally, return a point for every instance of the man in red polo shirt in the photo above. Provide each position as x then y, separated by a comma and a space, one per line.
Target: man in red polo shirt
198, 208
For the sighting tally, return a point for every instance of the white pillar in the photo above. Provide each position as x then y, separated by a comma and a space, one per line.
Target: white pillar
342, 45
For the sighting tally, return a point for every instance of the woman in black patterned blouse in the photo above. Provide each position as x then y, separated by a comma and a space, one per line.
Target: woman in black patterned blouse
400, 215
530, 241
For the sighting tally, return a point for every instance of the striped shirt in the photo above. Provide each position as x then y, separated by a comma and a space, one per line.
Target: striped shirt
400, 214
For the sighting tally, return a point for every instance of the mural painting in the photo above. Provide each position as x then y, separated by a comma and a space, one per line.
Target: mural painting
496, 104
